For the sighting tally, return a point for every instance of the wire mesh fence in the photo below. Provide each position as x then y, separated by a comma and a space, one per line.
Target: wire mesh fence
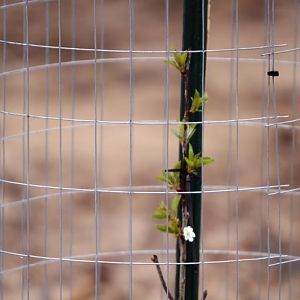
88, 106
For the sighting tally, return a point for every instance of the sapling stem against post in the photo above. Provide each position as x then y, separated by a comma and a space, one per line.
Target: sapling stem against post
178, 177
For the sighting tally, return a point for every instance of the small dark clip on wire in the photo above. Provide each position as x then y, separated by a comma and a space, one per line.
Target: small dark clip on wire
273, 73
173, 170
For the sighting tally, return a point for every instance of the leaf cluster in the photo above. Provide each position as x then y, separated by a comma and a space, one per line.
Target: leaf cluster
197, 102
178, 61
172, 178
184, 131
161, 213
194, 161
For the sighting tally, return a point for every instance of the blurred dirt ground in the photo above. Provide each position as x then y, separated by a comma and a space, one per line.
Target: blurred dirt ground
52, 162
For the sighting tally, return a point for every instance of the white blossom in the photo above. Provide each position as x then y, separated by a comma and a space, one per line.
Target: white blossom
189, 233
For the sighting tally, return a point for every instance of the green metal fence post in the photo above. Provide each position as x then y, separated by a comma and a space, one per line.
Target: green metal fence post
194, 38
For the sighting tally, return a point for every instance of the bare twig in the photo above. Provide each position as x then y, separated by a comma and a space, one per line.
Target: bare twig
183, 181
182, 268
161, 277
204, 295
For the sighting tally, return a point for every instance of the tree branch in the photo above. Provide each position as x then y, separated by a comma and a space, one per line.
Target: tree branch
161, 277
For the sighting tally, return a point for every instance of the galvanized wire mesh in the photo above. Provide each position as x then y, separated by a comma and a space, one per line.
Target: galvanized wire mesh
87, 106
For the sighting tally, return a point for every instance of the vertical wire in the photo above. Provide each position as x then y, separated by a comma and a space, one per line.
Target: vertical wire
277, 151
230, 150
97, 275
237, 147
47, 87
267, 8
60, 156
261, 162
26, 94
271, 99
203, 58
100, 105
166, 132
131, 115
72, 168
3, 133
293, 148
24, 120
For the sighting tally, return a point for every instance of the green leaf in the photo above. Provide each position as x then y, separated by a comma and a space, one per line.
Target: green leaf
177, 165
175, 202
183, 57
197, 101
172, 62
191, 151
190, 163
190, 131
195, 161
172, 178
162, 205
177, 58
177, 133
178, 61
173, 228
161, 227
162, 177
159, 214
207, 160
173, 221
172, 214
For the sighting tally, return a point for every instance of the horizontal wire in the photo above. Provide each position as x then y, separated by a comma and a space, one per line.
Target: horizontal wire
81, 62
283, 122
23, 3
249, 60
285, 191
245, 122
33, 132
45, 197
143, 122
84, 258
241, 122
282, 51
124, 59
258, 256
285, 262
134, 189
137, 51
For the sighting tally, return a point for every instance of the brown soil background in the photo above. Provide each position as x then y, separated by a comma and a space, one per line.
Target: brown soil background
75, 90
